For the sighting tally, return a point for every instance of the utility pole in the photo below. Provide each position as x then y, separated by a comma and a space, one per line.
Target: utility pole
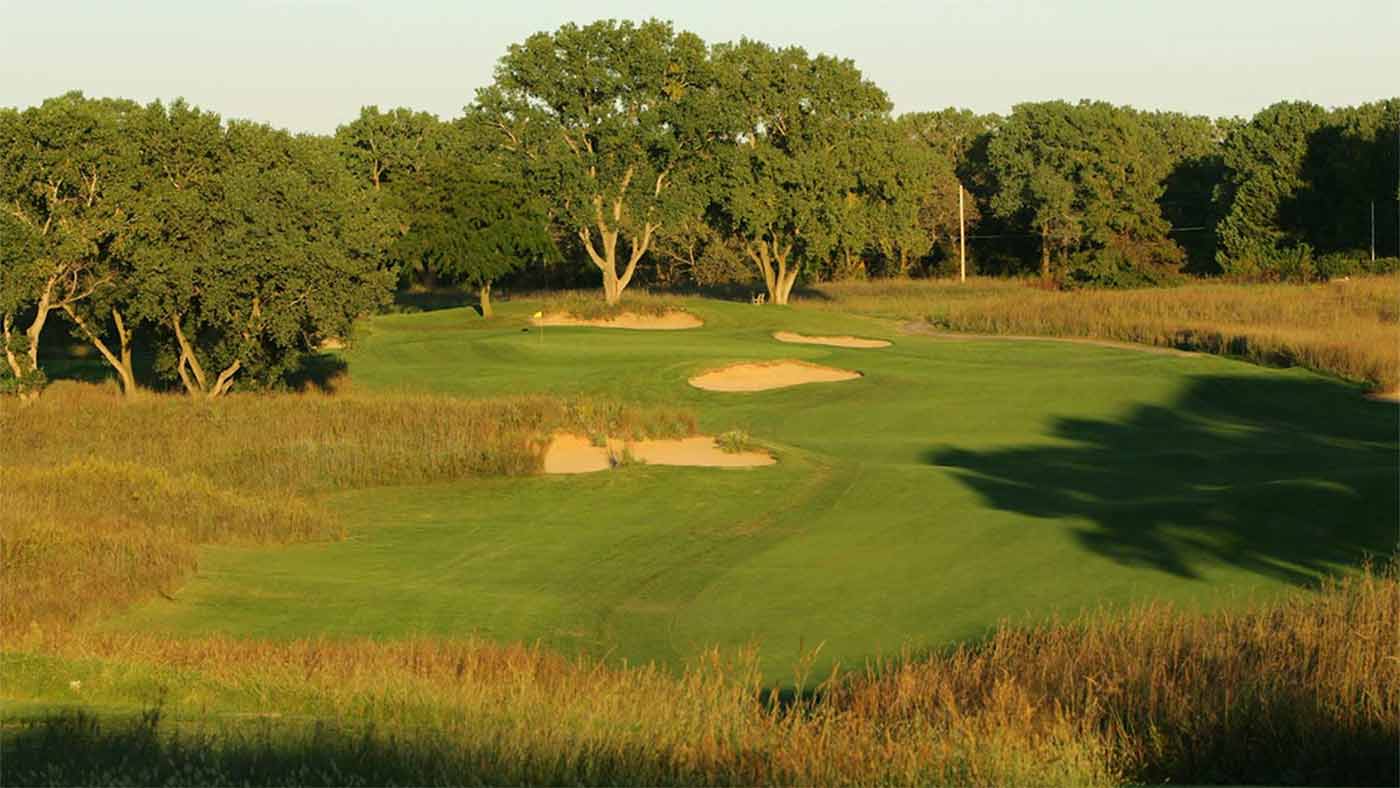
1373, 231
962, 237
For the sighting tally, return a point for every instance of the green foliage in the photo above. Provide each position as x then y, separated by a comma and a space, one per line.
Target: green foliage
606, 120
237, 245
796, 124
474, 220
1083, 177
65, 179
734, 441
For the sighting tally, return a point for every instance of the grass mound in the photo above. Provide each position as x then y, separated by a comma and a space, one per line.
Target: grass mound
106, 500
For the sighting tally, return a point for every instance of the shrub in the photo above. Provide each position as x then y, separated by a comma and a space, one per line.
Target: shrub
734, 441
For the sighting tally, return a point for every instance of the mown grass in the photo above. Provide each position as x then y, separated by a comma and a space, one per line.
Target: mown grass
1301, 691
588, 305
107, 499
1348, 328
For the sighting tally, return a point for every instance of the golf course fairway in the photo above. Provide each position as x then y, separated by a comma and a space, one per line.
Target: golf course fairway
951, 486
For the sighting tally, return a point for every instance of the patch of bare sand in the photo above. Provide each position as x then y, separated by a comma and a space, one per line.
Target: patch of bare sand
769, 375
841, 341
571, 453
671, 321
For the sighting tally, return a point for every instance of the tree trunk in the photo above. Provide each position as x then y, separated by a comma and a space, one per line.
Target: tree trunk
119, 361
772, 262
485, 297
1045, 253
25, 363
192, 374
606, 258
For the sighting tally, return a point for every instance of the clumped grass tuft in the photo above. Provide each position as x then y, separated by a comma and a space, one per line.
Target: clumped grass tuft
734, 442
106, 499
1299, 691
589, 304
90, 536
1348, 328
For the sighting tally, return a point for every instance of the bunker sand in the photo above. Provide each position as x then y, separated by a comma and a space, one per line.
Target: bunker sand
769, 375
571, 453
671, 321
841, 341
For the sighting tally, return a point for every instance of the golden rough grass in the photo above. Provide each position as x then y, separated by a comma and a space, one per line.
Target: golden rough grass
105, 499
589, 304
1304, 690
1350, 328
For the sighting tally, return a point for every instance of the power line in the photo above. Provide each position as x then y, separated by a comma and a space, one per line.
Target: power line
1201, 228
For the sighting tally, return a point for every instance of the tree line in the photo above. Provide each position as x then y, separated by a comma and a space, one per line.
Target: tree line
636, 150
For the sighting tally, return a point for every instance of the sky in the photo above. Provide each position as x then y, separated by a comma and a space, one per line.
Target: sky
310, 65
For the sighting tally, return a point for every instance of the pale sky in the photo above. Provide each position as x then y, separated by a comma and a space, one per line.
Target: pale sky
310, 65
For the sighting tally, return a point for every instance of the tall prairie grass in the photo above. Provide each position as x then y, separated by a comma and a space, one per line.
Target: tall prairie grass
105, 499
1301, 691
1348, 328
589, 304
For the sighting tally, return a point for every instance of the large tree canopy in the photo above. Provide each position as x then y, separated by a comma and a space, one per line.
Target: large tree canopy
1263, 161
65, 169
241, 245
792, 121
604, 118
476, 219
1085, 177
296, 258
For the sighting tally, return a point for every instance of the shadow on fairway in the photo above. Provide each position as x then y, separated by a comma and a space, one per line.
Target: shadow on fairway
1286, 478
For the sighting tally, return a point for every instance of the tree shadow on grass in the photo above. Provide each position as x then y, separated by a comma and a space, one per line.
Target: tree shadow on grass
324, 372
77, 748
1286, 478
413, 301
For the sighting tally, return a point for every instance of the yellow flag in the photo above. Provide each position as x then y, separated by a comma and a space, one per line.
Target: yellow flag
537, 315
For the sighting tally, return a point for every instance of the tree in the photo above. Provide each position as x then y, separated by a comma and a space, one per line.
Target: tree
383, 149
177, 153
473, 226
950, 136
790, 119
1263, 168
1086, 178
388, 153
64, 166
604, 118
1194, 169
294, 256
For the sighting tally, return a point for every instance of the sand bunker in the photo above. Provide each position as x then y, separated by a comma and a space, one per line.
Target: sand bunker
569, 453
769, 375
841, 341
671, 321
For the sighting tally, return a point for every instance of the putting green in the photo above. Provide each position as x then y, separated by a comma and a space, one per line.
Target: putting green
953, 485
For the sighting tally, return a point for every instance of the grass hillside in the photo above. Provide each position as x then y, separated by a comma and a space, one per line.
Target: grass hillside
380, 587
952, 486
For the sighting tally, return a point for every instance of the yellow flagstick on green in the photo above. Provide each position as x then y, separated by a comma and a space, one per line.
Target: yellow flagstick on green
540, 317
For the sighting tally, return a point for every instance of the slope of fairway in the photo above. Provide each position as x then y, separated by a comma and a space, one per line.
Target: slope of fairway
953, 485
